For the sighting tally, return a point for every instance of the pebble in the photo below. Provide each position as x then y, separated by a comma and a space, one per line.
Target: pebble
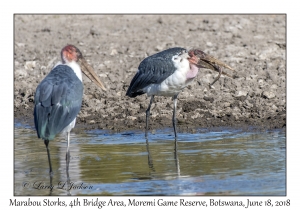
30, 65
241, 93
226, 104
274, 86
268, 94
131, 118
20, 73
114, 52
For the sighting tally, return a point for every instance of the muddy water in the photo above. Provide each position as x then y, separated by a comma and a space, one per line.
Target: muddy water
230, 162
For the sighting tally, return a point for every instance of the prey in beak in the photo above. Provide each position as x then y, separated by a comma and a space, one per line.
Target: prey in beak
203, 60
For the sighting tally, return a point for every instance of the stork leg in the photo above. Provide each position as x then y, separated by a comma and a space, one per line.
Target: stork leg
220, 69
174, 115
148, 114
48, 153
67, 163
68, 152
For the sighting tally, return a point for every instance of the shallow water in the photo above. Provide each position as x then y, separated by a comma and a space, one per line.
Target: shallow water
230, 162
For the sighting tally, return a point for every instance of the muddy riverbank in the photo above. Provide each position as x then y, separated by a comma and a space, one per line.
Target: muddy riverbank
254, 45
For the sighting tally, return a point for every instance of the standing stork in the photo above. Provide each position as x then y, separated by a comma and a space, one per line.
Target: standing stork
168, 72
58, 97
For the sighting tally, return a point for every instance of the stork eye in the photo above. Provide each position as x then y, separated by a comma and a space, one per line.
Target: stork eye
176, 57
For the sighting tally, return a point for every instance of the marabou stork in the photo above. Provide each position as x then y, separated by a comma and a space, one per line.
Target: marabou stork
58, 97
168, 72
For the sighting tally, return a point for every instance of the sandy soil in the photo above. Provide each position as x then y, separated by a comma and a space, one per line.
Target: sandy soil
254, 45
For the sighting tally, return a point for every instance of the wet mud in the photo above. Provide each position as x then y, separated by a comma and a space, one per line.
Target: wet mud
254, 45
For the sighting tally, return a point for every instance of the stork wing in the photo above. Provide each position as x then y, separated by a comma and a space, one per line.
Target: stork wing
58, 100
152, 70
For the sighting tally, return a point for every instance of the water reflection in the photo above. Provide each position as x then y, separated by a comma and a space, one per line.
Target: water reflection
230, 162
176, 158
150, 162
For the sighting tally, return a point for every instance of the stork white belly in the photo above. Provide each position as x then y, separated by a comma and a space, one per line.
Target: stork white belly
174, 83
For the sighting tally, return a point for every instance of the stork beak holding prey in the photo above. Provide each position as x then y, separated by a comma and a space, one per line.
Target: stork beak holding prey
203, 60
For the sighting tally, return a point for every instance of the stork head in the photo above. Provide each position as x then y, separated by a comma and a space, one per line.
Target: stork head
177, 56
70, 53
180, 55
182, 58
203, 60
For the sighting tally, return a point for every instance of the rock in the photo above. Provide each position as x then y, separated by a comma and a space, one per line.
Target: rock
209, 44
210, 99
253, 76
94, 31
159, 48
20, 44
274, 86
131, 118
102, 75
274, 107
248, 104
241, 93
30, 65
114, 52
20, 73
226, 104
268, 94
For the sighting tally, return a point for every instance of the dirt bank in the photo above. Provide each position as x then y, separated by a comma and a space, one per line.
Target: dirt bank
254, 45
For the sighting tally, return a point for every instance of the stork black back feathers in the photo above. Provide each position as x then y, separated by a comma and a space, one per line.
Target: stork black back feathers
153, 70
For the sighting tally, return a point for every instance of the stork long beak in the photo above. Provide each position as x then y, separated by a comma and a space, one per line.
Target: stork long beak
203, 60
90, 73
